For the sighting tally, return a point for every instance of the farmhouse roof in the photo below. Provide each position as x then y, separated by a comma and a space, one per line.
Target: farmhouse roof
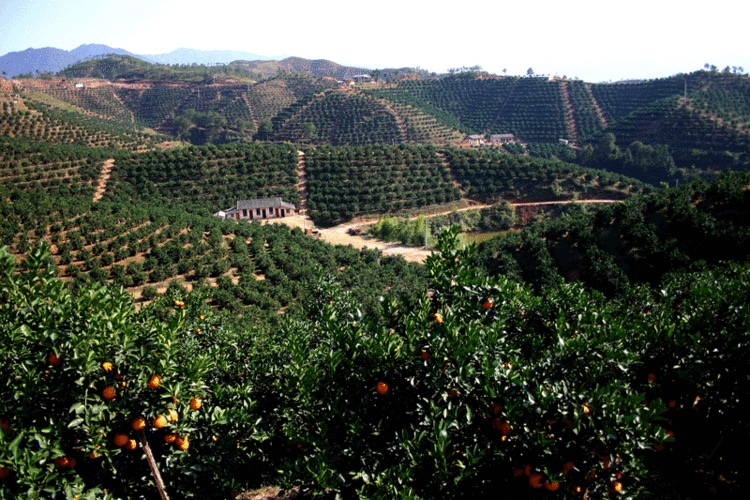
263, 203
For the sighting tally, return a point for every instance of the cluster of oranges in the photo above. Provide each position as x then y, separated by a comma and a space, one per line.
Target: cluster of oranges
160, 421
536, 479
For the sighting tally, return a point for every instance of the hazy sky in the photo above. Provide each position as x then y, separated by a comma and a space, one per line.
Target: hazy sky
594, 40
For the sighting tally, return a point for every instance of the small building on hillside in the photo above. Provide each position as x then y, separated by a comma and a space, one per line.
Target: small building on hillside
362, 78
258, 209
474, 140
502, 138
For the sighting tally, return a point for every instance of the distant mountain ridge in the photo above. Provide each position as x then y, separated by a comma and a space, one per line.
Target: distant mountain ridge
206, 57
315, 67
52, 60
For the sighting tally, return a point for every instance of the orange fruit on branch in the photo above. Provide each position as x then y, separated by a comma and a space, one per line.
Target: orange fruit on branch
170, 438
551, 485
131, 445
154, 382
382, 388
121, 439
488, 303
107, 366
53, 359
159, 422
138, 423
195, 404
109, 393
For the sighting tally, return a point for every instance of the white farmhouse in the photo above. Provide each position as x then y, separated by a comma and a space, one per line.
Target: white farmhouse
258, 209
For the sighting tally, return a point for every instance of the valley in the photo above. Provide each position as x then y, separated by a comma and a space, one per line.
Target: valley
590, 345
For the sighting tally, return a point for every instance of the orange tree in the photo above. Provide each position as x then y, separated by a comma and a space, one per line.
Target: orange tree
88, 383
482, 385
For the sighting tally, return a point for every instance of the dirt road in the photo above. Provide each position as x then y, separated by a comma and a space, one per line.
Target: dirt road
339, 235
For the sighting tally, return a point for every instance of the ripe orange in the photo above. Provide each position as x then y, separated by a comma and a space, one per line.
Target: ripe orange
195, 404
53, 359
489, 303
551, 486
535, 480
179, 304
183, 443
617, 486
425, 355
586, 409
94, 455
109, 393
170, 438
62, 462
172, 415
107, 366
382, 388
438, 318
159, 422
651, 377
154, 382
121, 439
201, 317
4, 472
138, 423
131, 445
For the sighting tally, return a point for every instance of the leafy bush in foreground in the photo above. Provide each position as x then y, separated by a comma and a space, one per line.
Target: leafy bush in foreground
482, 385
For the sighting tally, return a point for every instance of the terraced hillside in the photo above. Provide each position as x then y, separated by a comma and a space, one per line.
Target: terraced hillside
66, 170
147, 248
349, 181
696, 138
340, 117
489, 176
530, 108
211, 178
38, 116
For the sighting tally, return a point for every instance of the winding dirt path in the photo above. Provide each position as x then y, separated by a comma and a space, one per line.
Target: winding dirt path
104, 176
339, 235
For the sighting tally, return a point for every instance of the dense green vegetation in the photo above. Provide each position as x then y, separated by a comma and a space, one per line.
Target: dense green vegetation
338, 118
262, 268
63, 170
639, 240
39, 120
347, 181
122, 67
483, 385
493, 105
491, 175
598, 353
208, 178
415, 231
